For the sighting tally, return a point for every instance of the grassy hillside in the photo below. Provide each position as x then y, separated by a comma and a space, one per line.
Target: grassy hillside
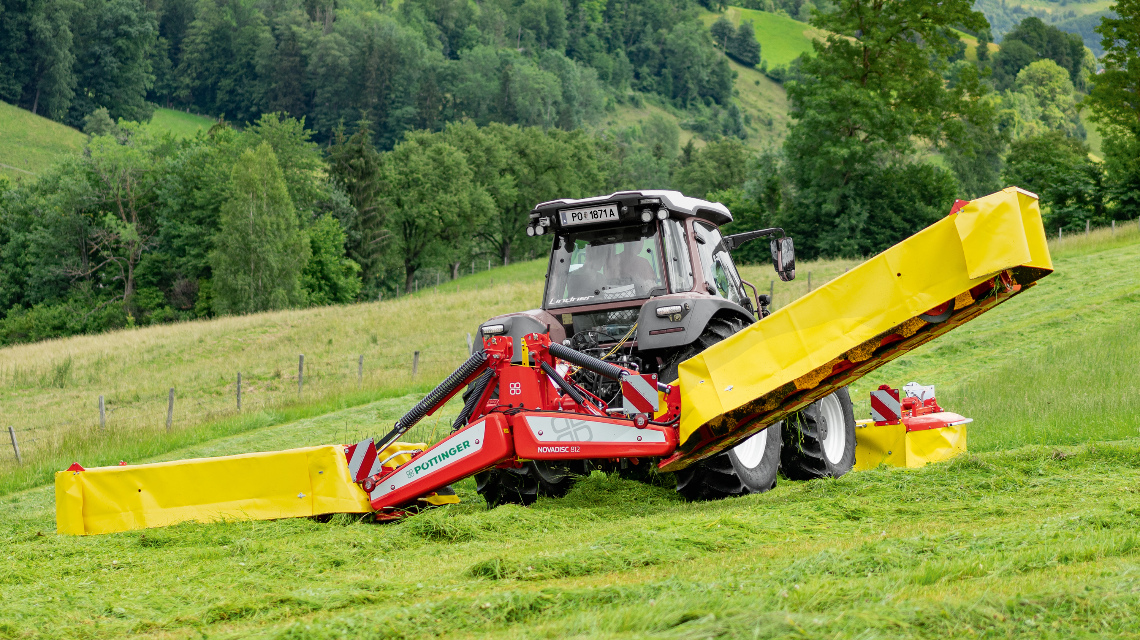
180, 123
29, 143
762, 101
50, 390
781, 38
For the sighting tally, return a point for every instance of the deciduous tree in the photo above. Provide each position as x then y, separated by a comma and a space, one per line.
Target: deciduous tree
260, 250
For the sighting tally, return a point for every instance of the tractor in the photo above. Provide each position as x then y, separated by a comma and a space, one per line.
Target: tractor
645, 280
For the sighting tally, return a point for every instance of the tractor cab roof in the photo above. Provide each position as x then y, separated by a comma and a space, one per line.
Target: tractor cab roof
627, 207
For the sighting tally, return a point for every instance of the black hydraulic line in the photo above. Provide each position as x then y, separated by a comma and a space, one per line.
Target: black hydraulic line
572, 356
561, 382
423, 407
600, 367
477, 389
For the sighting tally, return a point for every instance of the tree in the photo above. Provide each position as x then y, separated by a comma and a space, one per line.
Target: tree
329, 277
121, 209
541, 165
722, 32
1057, 167
983, 48
1050, 94
429, 192
719, 166
113, 43
356, 167
873, 92
1116, 106
260, 249
1033, 40
743, 46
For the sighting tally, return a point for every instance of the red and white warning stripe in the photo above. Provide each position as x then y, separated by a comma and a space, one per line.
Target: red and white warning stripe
362, 460
639, 394
885, 405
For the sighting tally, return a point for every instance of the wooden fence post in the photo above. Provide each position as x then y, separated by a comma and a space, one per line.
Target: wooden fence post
1087, 221
1113, 227
469, 343
239, 391
360, 371
170, 409
15, 446
300, 373
102, 414
415, 364
809, 281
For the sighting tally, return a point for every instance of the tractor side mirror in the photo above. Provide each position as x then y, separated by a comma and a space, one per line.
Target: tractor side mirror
784, 258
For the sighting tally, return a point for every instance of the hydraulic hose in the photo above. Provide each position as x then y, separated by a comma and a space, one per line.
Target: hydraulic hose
600, 367
477, 389
445, 388
563, 384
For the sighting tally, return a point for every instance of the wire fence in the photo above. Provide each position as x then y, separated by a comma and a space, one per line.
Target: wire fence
115, 415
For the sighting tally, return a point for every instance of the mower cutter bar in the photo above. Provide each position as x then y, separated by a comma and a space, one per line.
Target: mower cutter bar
986, 251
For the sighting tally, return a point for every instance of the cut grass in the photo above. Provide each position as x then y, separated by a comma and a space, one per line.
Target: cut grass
1000, 545
179, 123
29, 144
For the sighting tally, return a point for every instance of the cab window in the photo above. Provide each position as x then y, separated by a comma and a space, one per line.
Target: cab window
716, 263
604, 265
677, 261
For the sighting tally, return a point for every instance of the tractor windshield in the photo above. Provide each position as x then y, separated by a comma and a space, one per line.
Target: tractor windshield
605, 265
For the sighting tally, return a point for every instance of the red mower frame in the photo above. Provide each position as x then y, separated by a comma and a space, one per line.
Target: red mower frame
539, 414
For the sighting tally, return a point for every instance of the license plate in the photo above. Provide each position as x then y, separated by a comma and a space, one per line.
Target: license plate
589, 215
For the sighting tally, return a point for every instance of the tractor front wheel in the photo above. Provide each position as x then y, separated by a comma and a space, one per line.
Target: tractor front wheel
749, 467
819, 441
525, 484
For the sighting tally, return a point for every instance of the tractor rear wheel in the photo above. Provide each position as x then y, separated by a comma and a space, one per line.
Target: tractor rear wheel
819, 441
751, 466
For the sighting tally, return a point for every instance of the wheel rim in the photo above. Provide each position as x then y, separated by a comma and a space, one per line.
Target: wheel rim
751, 451
835, 438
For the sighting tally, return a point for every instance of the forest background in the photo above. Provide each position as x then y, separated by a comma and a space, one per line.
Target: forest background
361, 148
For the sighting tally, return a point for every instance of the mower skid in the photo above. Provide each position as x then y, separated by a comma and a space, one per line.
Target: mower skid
482, 444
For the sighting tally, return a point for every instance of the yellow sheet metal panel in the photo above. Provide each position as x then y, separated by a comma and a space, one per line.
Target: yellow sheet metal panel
879, 444
934, 445
257, 486
894, 287
993, 239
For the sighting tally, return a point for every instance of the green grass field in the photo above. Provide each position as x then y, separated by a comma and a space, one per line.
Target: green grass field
29, 143
781, 38
181, 124
1034, 534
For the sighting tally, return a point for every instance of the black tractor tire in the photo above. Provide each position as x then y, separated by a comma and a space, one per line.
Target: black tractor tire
819, 441
525, 484
732, 473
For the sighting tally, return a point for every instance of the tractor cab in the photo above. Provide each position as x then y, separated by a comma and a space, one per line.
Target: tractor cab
636, 276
